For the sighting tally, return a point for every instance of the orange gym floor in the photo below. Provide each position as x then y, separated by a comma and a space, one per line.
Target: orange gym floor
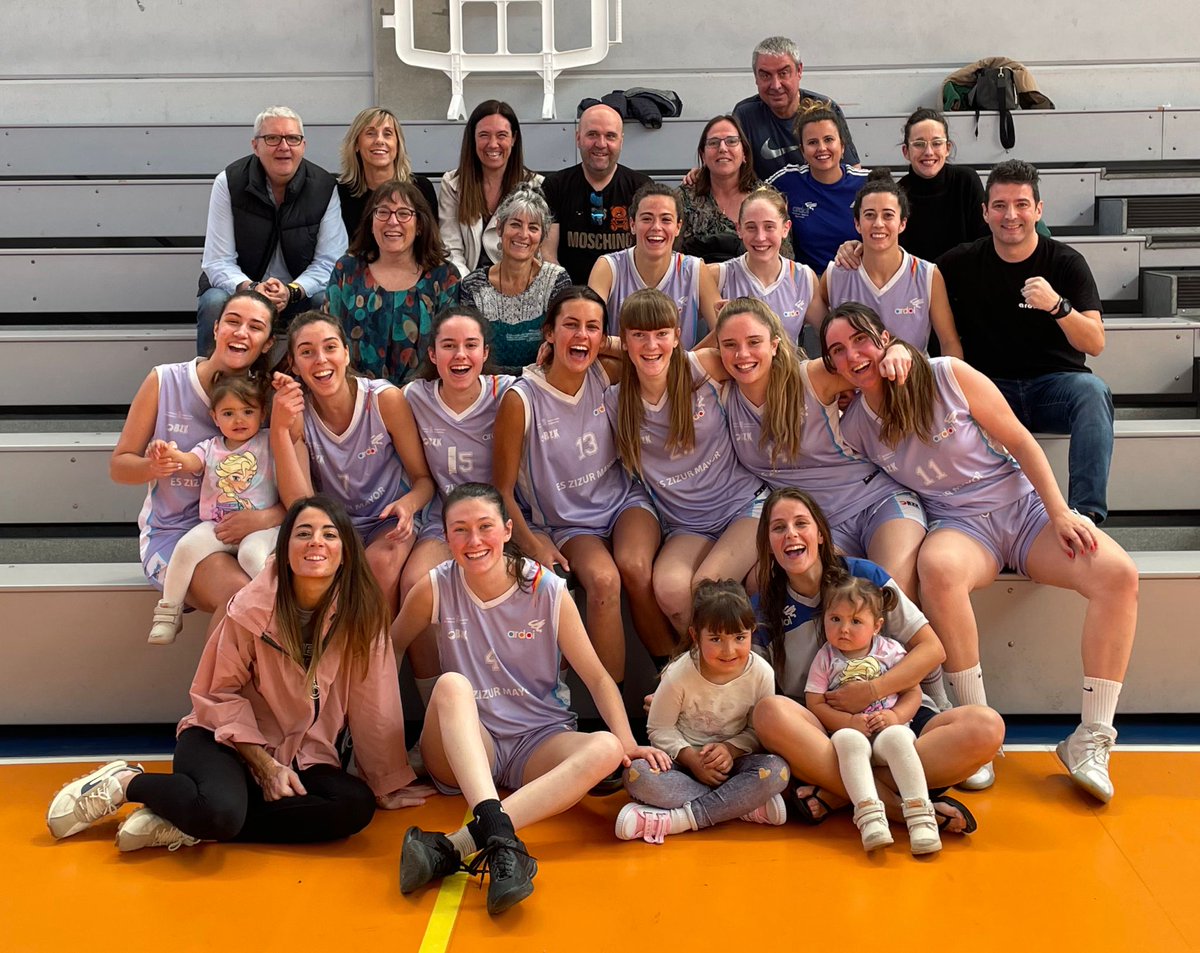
1048, 869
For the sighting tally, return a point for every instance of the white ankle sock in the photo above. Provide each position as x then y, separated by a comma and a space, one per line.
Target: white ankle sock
968, 686
934, 686
682, 819
463, 842
1100, 700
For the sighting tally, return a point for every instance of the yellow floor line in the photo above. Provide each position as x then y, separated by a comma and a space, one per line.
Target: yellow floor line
445, 911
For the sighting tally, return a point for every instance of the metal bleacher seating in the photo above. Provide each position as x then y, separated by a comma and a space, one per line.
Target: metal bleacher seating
99, 256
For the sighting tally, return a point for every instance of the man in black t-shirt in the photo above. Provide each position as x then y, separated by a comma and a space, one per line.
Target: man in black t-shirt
590, 201
1028, 311
767, 118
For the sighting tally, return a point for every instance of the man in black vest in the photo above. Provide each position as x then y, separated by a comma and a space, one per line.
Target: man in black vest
274, 225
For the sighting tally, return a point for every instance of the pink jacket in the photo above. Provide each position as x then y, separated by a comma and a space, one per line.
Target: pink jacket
248, 690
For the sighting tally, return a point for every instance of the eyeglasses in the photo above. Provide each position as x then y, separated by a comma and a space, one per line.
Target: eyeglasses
273, 139
598, 211
401, 215
922, 145
715, 142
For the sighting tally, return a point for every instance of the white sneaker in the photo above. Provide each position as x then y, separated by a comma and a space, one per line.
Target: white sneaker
981, 780
82, 802
774, 812
651, 824
166, 623
872, 824
1085, 756
923, 836
144, 828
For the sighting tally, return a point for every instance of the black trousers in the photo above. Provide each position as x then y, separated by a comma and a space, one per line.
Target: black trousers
211, 795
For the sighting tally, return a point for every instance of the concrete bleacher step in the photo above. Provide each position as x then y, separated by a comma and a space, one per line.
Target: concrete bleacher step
1149, 355
62, 281
104, 208
117, 357
96, 615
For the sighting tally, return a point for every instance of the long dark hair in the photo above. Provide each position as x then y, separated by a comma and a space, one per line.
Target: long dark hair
262, 364
747, 180
472, 206
353, 607
513, 555
772, 580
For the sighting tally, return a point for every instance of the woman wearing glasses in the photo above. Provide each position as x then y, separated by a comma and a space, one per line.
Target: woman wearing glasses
395, 278
373, 153
711, 201
513, 293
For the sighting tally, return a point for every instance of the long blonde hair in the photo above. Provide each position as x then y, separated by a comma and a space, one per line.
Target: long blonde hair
905, 409
648, 309
784, 411
353, 175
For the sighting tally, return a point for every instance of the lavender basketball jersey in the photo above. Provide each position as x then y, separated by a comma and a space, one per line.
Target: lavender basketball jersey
358, 468
842, 481
902, 304
789, 296
506, 648
458, 447
703, 489
173, 503
569, 475
960, 472
681, 284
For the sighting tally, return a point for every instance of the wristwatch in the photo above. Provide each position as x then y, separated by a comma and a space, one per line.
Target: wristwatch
1062, 309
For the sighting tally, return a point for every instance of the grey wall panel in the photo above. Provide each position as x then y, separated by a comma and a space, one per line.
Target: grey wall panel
1114, 261
64, 479
103, 209
1147, 356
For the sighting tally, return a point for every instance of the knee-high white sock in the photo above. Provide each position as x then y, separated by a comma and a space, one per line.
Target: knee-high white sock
934, 686
968, 686
425, 689
896, 746
854, 763
1100, 701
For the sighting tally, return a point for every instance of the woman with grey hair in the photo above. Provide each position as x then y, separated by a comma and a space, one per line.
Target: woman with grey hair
513, 293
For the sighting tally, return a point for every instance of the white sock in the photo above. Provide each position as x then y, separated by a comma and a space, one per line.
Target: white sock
968, 686
1100, 701
896, 745
854, 764
463, 842
425, 689
934, 686
682, 819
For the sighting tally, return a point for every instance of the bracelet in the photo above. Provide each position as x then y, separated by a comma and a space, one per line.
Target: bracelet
295, 293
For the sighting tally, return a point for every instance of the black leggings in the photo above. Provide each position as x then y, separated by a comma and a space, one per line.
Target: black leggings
212, 795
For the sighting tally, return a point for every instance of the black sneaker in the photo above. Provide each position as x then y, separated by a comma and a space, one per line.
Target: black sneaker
426, 856
510, 868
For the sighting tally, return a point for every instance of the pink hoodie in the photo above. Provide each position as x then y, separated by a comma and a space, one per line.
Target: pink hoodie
249, 690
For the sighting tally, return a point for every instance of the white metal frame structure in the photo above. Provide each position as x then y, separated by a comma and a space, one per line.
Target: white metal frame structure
457, 64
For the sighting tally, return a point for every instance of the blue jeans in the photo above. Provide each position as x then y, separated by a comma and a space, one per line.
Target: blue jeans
753, 780
1076, 404
210, 305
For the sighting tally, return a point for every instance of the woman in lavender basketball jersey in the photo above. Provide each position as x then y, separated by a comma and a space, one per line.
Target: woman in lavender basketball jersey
352, 439
948, 434
173, 405
555, 448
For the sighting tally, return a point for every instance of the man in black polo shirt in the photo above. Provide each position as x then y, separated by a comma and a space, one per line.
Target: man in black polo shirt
274, 224
1028, 311
590, 201
767, 117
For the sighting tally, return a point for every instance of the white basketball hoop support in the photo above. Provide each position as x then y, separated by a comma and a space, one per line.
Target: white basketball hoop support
458, 64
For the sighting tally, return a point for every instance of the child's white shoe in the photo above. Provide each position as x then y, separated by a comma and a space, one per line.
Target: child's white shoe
774, 812
923, 836
872, 824
166, 623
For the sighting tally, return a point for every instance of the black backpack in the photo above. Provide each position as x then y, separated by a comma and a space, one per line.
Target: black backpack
995, 91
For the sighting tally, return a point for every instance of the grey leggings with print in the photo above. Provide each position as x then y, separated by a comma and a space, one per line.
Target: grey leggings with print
753, 780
